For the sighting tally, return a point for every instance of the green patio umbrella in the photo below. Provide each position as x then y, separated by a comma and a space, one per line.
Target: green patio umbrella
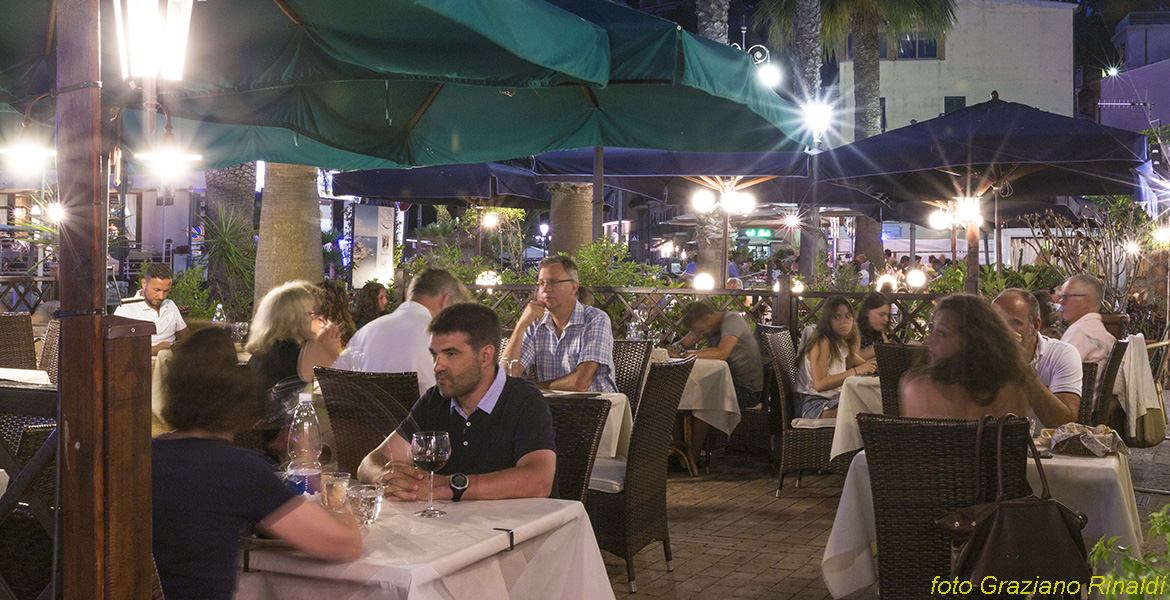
438, 82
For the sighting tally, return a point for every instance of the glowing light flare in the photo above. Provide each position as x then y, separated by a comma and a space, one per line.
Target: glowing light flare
168, 162
1132, 247
967, 211
1112, 72
916, 278
1162, 235
488, 278
769, 75
703, 201
26, 158
797, 287
886, 281
818, 116
939, 219
544, 229
491, 220
666, 249
776, 287
150, 43
704, 281
738, 203
792, 221
55, 212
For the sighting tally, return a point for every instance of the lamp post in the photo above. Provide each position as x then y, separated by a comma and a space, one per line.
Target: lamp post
963, 211
731, 201
488, 220
544, 237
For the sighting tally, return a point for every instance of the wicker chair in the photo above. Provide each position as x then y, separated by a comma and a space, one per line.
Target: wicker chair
633, 515
26, 546
799, 448
578, 424
755, 427
16, 341
893, 360
1105, 410
363, 409
631, 359
940, 453
1088, 384
50, 350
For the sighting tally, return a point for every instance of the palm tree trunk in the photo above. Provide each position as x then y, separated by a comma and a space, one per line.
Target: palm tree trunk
868, 116
712, 19
290, 228
866, 76
807, 26
570, 217
231, 190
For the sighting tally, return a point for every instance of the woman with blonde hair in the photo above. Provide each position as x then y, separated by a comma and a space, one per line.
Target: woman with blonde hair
975, 369
282, 340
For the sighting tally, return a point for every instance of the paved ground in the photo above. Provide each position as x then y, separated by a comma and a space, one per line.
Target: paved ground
732, 538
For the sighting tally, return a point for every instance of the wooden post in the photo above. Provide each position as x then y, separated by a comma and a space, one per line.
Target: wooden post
782, 313
971, 284
104, 387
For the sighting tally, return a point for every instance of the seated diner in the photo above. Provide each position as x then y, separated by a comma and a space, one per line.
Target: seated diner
828, 356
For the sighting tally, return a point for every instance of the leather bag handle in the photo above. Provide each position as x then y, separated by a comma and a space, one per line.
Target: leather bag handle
999, 496
978, 459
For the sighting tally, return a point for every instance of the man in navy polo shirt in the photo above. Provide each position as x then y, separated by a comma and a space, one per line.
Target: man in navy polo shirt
502, 440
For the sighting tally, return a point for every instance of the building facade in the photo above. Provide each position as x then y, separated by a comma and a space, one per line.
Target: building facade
1021, 48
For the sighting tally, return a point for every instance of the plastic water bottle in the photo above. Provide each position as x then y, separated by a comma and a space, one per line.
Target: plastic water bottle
220, 316
304, 448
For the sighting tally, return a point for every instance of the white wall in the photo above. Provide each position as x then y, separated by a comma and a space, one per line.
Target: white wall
1022, 48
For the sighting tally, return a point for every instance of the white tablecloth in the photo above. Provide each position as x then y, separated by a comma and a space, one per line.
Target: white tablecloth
26, 376
459, 556
615, 439
1099, 487
859, 394
710, 395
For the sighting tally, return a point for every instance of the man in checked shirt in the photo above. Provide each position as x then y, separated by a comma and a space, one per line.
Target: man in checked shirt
570, 344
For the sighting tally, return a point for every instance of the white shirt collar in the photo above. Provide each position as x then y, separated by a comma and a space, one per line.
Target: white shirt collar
490, 398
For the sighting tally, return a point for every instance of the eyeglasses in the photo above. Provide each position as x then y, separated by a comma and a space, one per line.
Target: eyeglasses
541, 283
1063, 297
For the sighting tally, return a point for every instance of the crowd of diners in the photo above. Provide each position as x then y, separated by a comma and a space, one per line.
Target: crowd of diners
985, 358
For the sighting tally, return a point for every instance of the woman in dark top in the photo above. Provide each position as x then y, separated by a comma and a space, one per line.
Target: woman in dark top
371, 303
206, 490
286, 341
873, 322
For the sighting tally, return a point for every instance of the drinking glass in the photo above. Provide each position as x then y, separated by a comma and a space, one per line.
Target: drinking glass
240, 332
366, 502
430, 451
336, 489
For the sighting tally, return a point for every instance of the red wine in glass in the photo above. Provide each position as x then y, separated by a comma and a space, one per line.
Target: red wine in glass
430, 462
430, 451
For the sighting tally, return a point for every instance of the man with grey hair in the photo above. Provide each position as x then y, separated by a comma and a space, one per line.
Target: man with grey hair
399, 342
570, 344
1080, 301
1054, 387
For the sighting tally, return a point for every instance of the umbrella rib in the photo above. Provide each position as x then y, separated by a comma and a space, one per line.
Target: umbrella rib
289, 12
590, 96
422, 108
52, 27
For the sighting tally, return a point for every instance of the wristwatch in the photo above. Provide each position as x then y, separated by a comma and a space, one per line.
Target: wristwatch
458, 486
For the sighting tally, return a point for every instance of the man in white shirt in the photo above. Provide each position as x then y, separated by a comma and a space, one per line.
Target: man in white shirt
399, 342
1080, 301
1057, 365
151, 304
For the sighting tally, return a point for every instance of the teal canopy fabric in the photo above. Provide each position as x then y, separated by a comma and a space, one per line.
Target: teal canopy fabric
391, 83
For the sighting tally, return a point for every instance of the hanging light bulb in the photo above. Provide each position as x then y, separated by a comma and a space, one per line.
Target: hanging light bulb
703, 201
797, 287
491, 219
769, 75
704, 281
167, 161
940, 219
915, 278
792, 221
55, 212
885, 281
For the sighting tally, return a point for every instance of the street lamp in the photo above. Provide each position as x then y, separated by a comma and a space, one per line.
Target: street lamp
732, 202
26, 157
769, 75
490, 220
818, 117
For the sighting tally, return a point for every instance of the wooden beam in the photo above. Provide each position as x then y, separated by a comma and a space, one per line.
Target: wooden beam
422, 109
749, 183
81, 190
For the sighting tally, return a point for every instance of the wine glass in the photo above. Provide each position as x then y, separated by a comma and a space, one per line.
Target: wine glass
430, 451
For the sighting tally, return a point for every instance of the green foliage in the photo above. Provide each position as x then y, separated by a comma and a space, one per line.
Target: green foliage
607, 263
950, 281
845, 279
439, 232
1115, 564
188, 290
230, 252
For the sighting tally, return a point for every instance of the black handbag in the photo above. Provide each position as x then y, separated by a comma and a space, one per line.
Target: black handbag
1022, 539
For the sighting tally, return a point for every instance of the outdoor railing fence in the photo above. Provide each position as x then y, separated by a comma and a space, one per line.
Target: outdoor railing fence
657, 313
25, 293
